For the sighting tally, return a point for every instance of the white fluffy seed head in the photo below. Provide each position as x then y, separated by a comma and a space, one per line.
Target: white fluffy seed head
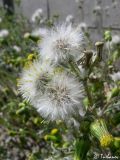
40, 32
4, 33
97, 9
33, 80
62, 98
83, 26
61, 43
115, 41
115, 76
37, 15
70, 19
16, 48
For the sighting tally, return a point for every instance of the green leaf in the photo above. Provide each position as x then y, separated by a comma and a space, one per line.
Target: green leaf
81, 148
117, 142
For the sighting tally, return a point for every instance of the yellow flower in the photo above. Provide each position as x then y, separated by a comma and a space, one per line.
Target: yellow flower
46, 137
31, 57
99, 130
54, 131
27, 64
106, 140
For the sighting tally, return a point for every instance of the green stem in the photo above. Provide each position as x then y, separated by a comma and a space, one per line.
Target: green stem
74, 67
88, 92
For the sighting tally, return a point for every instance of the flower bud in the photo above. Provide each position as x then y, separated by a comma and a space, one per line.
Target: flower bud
99, 130
51, 138
54, 131
26, 35
107, 35
31, 57
99, 46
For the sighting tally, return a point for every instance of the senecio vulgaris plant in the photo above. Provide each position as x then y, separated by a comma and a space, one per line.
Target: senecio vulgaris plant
70, 80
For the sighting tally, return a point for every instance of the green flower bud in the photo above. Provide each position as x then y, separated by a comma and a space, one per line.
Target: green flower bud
99, 130
54, 131
107, 36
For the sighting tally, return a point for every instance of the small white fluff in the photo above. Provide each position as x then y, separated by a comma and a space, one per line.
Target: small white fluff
40, 32
62, 98
115, 76
69, 19
82, 71
62, 42
79, 1
37, 15
97, 9
16, 48
115, 40
83, 26
33, 80
4, 33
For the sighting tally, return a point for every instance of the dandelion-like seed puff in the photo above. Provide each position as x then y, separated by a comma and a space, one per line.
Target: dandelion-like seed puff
4, 33
62, 42
55, 95
37, 15
33, 80
62, 98
41, 32
115, 76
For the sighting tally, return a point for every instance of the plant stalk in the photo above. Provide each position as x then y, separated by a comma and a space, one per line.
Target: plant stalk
74, 67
